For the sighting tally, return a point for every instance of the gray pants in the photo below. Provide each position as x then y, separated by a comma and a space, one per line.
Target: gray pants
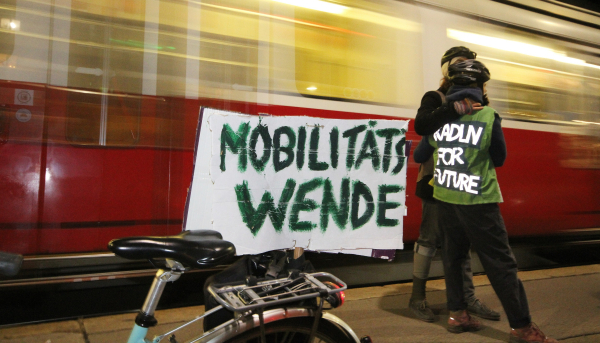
431, 237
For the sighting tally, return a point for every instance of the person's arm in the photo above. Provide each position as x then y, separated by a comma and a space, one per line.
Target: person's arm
432, 114
498, 144
423, 151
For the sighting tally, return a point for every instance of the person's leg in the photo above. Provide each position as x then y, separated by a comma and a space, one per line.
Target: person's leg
490, 241
424, 252
421, 265
455, 251
486, 231
426, 245
475, 306
468, 286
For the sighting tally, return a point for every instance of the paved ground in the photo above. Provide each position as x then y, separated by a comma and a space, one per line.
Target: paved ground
564, 302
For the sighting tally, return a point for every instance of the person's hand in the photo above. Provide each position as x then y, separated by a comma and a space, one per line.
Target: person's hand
467, 106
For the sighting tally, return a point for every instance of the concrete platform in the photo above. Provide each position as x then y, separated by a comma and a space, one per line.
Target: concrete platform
564, 302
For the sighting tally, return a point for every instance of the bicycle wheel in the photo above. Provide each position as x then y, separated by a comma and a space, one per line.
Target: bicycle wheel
295, 330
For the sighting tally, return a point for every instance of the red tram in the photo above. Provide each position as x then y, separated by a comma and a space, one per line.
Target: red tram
99, 101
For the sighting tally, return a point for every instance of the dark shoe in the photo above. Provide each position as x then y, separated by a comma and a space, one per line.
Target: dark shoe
421, 310
461, 321
529, 334
479, 309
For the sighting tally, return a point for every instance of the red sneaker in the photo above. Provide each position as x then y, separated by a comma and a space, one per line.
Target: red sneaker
461, 321
530, 334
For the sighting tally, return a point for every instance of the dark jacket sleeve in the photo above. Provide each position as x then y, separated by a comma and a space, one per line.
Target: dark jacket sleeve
497, 145
433, 114
423, 151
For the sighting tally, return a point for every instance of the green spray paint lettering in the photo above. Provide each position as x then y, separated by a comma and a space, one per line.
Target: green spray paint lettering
300, 148
255, 218
387, 150
287, 150
262, 131
370, 150
352, 135
384, 205
303, 204
329, 206
361, 190
313, 153
400, 154
334, 143
236, 143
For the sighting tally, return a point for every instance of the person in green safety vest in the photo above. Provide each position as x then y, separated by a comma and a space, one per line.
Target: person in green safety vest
466, 152
433, 113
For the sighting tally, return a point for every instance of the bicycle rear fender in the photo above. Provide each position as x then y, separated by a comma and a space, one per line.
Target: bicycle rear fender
233, 327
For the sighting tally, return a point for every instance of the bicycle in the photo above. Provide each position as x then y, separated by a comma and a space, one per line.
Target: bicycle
287, 309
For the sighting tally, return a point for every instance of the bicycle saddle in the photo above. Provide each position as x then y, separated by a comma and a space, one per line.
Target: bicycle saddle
199, 249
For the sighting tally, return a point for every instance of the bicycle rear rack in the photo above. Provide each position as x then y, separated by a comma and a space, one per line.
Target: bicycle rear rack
269, 293
243, 297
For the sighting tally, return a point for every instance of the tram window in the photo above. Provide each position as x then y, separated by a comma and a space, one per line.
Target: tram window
368, 53
8, 26
235, 62
525, 102
591, 105
7, 44
554, 87
544, 95
225, 62
85, 119
209, 57
105, 77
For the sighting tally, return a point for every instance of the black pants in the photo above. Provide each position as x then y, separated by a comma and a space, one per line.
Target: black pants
481, 227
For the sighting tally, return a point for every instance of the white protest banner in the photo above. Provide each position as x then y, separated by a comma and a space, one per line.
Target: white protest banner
271, 183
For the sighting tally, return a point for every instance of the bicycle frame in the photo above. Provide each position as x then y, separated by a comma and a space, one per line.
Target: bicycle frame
246, 316
235, 327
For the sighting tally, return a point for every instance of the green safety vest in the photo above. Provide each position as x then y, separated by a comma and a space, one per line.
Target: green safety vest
464, 172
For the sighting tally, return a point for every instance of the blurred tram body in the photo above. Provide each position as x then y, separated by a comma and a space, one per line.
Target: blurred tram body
99, 101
